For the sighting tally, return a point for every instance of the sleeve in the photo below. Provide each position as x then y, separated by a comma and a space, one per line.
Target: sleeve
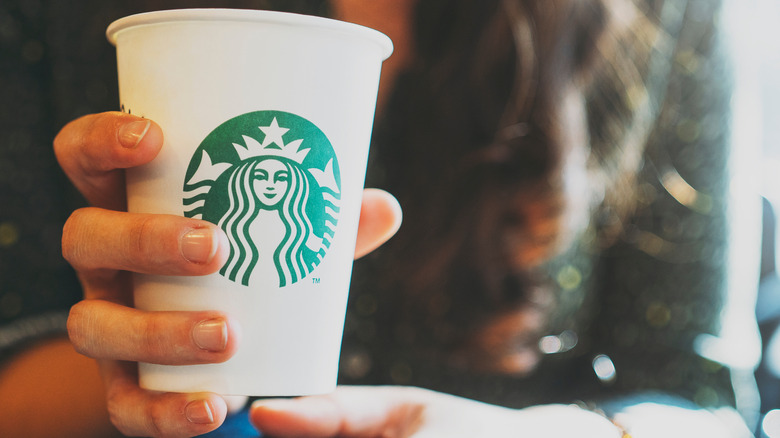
25, 331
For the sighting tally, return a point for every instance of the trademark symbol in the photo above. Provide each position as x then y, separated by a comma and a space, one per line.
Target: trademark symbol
315, 280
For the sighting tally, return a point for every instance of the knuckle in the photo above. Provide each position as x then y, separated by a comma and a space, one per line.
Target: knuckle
76, 330
70, 232
159, 421
116, 412
143, 235
145, 239
131, 419
124, 416
63, 140
153, 242
59, 145
151, 330
96, 132
76, 235
156, 419
102, 127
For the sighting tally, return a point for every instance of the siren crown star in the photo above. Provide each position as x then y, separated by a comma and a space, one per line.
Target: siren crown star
273, 134
272, 145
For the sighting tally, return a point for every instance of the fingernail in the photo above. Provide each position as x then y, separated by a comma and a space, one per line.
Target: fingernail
210, 335
199, 412
199, 245
131, 133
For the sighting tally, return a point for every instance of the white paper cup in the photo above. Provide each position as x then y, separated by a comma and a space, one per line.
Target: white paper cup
267, 119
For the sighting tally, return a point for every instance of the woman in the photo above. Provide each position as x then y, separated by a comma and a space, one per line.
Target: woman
574, 263
518, 120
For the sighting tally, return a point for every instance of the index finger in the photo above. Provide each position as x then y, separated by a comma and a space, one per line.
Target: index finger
92, 150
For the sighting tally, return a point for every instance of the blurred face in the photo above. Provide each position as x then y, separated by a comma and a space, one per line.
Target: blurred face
577, 127
271, 179
547, 223
590, 112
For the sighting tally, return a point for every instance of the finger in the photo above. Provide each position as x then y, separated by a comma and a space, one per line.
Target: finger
138, 412
91, 149
380, 218
347, 412
104, 330
96, 239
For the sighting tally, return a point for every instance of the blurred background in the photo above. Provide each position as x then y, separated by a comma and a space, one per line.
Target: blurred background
755, 33
763, 26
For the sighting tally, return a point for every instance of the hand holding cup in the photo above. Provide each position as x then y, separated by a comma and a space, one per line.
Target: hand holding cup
105, 244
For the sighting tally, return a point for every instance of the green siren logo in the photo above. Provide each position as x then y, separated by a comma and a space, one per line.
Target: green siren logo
271, 180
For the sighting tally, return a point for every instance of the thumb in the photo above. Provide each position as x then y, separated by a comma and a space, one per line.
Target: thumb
380, 218
347, 412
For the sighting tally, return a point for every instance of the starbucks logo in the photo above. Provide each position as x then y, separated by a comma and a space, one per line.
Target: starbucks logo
271, 180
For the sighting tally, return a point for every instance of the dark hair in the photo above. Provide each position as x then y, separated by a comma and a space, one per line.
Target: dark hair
473, 147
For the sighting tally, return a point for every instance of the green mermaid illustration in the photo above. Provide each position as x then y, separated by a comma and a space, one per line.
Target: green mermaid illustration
277, 202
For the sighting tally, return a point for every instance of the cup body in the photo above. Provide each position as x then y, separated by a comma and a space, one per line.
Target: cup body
267, 119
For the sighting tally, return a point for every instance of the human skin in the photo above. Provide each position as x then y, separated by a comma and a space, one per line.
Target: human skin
104, 244
400, 411
96, 171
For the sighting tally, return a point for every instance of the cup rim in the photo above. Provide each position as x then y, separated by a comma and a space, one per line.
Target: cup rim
246, 15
